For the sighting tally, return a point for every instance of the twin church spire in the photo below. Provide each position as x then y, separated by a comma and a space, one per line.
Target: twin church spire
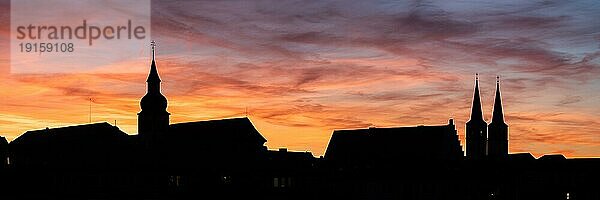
476, 110
485, 140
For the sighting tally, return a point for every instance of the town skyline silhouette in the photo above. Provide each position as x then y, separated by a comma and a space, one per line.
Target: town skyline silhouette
301, 70
228, 158
154, 90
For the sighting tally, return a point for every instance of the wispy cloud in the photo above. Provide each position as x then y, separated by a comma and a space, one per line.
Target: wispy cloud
304, 68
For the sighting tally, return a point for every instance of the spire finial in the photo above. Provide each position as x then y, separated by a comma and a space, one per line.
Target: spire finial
476, 112
153, 76
498, 114
153, 45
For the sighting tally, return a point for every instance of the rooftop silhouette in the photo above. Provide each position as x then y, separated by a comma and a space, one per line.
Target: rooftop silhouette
228, 158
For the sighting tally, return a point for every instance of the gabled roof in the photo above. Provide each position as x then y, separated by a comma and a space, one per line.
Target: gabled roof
89, 146
409, 130
422, 142
347, 142
78, 131
228, 129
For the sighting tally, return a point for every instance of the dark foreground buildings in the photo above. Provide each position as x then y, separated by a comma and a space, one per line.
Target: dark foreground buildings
227, 159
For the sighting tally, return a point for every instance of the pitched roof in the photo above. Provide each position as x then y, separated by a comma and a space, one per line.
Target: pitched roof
344, 142
90, 146
78, 131
228, 129
420, 142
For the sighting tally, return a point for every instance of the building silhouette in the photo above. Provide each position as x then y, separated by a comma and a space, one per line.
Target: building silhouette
153, 119
497, 129
228, 159
378, 147
81, 147
487, 141
3, 152
476, 131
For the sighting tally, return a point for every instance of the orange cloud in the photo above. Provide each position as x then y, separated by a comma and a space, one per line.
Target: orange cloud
301, 73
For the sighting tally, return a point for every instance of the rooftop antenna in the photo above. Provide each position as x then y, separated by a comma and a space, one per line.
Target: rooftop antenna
90, 110
246, 112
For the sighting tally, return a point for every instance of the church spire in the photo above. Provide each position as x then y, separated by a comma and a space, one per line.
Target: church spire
476, 133
476, 112
153, 75
153, 119
498, 114
498, 129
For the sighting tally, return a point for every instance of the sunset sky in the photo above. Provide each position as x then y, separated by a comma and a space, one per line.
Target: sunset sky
305, 68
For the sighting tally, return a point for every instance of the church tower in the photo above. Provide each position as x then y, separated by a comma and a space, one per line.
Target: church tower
498, 129
153, 120
476, 133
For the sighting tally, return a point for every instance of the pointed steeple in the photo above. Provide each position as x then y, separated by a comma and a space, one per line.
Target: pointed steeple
476, 132
476, 112
153, 75
153, 101
498, 114
153, 119
498, 129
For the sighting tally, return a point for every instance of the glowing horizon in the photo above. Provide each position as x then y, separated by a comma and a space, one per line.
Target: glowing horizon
305, 69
